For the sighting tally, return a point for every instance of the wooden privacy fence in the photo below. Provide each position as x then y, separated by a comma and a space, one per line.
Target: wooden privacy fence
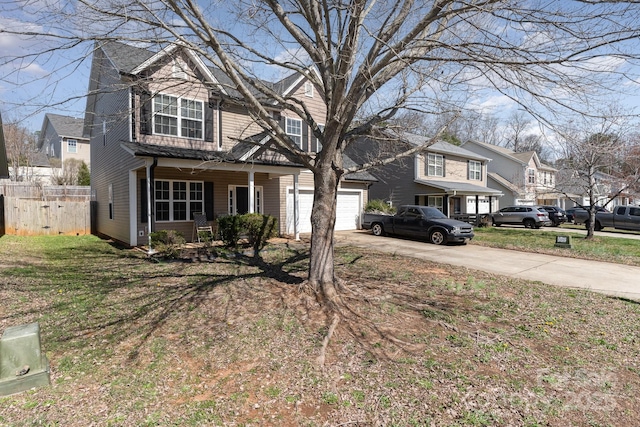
28, 217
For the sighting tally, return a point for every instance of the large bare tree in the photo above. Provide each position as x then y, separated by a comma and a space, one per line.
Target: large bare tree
372, 59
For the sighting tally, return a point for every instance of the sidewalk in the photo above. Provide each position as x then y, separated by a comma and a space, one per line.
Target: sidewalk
607, 278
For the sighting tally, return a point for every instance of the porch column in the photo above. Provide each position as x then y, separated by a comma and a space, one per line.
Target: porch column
252, 193
477, 207
296, 208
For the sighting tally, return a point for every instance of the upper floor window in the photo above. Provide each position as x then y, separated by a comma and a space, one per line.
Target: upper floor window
294, 130
531, 179
72, 146
475, 170
308, 89
435, 164
185, 120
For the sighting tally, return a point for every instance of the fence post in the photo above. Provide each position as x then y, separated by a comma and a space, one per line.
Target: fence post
2, 227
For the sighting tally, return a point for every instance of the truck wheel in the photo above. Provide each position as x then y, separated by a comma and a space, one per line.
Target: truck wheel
529, 223
437, 237
377, 229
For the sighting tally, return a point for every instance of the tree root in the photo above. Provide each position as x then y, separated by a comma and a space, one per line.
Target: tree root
327, 339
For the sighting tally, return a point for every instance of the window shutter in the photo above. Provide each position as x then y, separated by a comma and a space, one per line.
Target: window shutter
208, 200
208, 122
143, 201
469, 170
133, 114
145, 113
305, 136
444, 163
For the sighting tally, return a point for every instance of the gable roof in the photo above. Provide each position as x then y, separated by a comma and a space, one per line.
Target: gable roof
133, 60
442, 147
64, 127
523, 158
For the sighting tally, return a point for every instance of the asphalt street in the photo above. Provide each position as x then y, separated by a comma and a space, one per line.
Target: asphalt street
607, 278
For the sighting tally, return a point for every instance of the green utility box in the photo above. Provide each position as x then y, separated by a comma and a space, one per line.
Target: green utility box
23, 366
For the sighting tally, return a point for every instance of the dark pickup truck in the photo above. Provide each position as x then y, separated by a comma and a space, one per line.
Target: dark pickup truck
419, 222
622, 218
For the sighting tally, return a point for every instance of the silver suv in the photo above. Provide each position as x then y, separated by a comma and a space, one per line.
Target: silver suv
529, 216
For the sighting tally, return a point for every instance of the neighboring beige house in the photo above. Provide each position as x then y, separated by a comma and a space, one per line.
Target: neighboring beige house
62, 138
522, 177
170, 137
443, 175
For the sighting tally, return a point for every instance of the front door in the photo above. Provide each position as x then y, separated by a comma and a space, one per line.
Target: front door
242, 202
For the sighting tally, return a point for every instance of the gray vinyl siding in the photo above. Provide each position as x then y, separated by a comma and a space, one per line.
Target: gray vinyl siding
110, 164
51, 141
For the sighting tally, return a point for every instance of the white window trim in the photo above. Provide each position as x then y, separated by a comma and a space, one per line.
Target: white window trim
475, 174
293, 135
435, 164
232, 198
111, 213
172, 201
308, 89
70, 143
531, 174
179, 118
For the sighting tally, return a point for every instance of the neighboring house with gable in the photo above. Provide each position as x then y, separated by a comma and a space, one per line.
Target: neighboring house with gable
61, 137
522, 177
607, 190
170, 137
443, 175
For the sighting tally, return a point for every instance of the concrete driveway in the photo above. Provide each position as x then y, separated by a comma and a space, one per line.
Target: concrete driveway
607, 278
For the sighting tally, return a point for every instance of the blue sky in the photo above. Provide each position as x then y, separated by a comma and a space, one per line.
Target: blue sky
56, 82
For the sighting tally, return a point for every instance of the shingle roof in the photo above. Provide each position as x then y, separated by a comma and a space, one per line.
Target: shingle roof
459, 187
65, 125
442, 147
126, 57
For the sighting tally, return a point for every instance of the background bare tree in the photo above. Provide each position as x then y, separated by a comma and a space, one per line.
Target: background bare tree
599, 161
373, 59
21, 151
72, 172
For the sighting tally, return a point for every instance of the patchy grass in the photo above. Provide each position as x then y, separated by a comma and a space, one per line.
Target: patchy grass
600, 248
135, 342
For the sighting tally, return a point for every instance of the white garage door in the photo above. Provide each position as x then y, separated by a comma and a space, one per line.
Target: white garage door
347, 212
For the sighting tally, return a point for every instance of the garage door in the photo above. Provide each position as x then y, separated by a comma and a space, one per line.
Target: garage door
347, 212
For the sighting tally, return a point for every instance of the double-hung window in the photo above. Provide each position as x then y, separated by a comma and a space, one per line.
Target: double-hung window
72, 146
531, 176
435, 164
177, 117
294, 130
475, 170
178, 200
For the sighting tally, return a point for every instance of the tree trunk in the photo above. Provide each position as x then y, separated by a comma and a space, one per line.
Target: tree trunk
323, 220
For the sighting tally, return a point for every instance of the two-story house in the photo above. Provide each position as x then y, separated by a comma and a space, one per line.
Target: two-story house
522, 177
170, 137
61, 137
442, 175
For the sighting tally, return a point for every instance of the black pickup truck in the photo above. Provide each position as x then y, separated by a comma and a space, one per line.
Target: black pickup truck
622, 218
419, 222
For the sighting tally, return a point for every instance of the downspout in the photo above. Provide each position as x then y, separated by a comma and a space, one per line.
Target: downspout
219, 123
150, 178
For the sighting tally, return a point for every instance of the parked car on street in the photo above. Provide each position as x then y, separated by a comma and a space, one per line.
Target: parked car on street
622, 218
419, 222
557, 215
529, 216
581, 213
